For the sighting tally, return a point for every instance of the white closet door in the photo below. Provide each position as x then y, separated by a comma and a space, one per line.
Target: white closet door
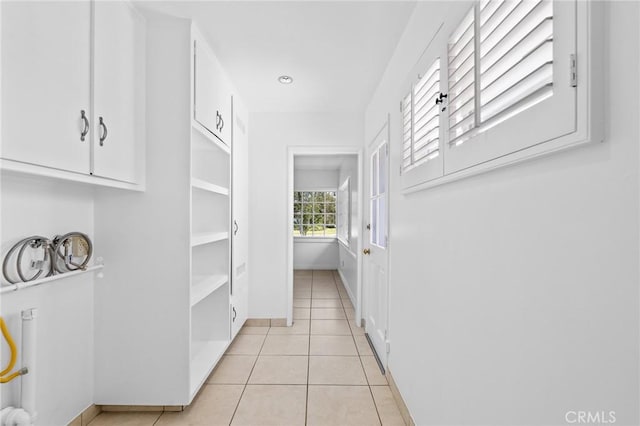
45, 83
240, 200
212, 93
117, 48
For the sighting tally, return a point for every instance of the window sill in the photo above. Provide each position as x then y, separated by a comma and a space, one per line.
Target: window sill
546, 148
344, 244
314, 239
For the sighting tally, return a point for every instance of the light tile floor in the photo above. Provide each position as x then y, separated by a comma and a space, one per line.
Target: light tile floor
321, 371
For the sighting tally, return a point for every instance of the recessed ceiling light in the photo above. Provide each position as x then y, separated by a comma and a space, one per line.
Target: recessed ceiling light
285, 79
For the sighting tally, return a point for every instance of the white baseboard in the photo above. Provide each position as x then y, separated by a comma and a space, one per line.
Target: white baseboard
315, 266
346, 287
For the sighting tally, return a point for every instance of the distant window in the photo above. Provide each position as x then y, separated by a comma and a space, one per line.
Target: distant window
314, 214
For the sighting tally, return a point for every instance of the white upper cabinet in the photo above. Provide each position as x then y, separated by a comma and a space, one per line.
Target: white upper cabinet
45, 83
72, 94
117, 115
212, 94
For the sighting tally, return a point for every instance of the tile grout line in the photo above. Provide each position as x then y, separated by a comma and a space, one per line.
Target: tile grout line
362, 365
306, 406
364, 371
244, 388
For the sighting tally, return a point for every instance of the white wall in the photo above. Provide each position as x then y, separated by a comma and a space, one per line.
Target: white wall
33, 206
320, 253
514, 294
315, 180
348, 266
271, 134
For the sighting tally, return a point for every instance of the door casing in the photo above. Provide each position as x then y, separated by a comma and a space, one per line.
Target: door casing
292, 152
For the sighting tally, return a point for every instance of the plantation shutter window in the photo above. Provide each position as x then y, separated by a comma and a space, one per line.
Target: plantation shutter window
518, 79
517, 91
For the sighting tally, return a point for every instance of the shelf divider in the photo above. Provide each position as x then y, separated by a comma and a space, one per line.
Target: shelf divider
210, 136
203, 238
207, 186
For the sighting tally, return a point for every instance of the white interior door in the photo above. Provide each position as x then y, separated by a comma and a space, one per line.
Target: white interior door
240, 200
376, 281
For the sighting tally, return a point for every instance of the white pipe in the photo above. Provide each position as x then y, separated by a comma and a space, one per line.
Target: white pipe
29, 351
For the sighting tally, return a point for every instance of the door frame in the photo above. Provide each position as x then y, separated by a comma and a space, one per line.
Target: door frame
292, 152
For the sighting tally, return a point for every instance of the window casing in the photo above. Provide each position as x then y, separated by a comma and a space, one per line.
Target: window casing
314, 214
343, 208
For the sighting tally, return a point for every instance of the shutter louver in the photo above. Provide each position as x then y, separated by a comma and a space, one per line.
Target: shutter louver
461, 51
407, 134
426, 115
516, 55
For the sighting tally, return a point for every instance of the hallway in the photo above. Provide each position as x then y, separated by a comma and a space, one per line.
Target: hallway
321, 371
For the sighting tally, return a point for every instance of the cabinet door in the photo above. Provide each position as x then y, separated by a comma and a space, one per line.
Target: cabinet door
240, 201
118, 52
45, 83
212, 96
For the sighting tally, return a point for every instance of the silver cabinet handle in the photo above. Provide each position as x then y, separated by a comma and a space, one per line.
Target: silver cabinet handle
105, 132
85, 121
219, 121
234, 314
236, 227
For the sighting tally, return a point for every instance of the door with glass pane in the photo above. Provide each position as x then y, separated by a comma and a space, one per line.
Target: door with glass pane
376, 254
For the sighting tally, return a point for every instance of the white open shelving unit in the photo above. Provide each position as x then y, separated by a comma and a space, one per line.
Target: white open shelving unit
167, 294
210, 253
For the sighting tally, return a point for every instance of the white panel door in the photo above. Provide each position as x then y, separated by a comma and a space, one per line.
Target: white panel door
46, 62
376, 280
240, 200
212, 95
118, 42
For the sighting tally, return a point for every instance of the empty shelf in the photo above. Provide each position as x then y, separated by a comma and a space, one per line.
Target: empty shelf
204, 356
210, 137
208, 237
202, 286
206, 186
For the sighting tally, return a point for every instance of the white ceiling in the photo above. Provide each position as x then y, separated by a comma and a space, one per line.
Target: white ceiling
321, 162
336, 51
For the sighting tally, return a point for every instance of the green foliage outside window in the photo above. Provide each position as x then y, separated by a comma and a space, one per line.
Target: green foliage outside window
314, 213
